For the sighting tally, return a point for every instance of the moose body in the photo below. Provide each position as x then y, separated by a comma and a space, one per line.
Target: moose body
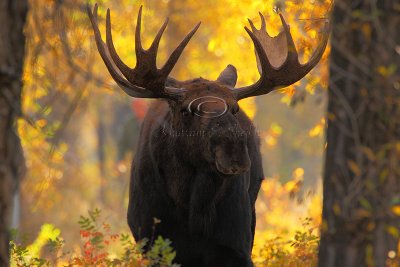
198, 165
209, 216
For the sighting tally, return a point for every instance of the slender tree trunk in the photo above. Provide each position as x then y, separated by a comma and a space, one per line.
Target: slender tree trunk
12, 44
362, 169
101, 154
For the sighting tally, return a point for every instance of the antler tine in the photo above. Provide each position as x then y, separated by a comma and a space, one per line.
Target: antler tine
292, 52
94, 10
138, 42
126, 71
263, 24
253, 28
156, 42
320, 49
281, 51
167, 68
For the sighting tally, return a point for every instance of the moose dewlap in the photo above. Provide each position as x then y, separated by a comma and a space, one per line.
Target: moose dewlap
198, 163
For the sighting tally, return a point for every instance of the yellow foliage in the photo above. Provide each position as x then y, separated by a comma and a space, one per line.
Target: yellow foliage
45, 162
393, 230
396, 210
281, 215
318, 129
249, 107
47, 232
386, 71
271, 136
54, 80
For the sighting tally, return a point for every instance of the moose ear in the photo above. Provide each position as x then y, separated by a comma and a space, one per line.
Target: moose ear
228, 76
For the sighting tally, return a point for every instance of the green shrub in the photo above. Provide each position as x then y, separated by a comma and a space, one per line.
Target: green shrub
97, 241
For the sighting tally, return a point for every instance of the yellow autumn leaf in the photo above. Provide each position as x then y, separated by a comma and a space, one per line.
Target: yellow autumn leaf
354, 167
386, 71
392, 230
396, 210
276, 129
211, 45
41, 123
315, 131
368, 152
318, 129
298, 173
270, 140
291, 186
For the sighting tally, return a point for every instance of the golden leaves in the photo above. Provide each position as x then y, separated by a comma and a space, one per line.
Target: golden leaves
276, 203
354, 167
386, 71
393, 230
249, 106
318, 129
294, 186
220, 40
396, 209
271, 136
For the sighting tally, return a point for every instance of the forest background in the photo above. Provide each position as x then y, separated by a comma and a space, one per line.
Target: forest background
79, 130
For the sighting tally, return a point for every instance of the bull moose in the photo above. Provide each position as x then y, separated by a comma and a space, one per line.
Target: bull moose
198, 164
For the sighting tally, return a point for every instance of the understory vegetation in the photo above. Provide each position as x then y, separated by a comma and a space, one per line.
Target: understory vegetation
101, 247
278, 242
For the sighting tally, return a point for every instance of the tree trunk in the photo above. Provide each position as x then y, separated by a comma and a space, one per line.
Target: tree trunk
12, 44
361, 219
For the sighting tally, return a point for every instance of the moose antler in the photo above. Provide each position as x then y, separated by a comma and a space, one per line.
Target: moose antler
277, 59
145, 80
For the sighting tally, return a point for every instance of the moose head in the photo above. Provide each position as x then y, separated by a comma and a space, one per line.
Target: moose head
201, 108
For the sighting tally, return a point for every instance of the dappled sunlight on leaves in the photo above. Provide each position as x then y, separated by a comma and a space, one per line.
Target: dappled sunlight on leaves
69, 99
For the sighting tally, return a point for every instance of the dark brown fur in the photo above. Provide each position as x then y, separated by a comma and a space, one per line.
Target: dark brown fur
208, 215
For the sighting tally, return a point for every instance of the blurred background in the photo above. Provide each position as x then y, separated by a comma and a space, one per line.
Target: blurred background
79, 129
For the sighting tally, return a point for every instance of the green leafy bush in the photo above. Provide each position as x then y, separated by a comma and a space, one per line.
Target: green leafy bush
97, 240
